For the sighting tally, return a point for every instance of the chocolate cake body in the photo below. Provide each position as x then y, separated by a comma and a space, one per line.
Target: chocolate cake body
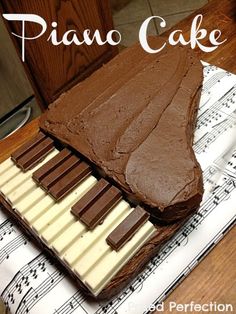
134, 119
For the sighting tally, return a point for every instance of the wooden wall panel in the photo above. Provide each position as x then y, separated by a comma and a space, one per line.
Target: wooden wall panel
54, 69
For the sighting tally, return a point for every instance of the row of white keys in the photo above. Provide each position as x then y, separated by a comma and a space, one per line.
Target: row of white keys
21, 177
57, 218
42, 214
98, 249
84, 244
9, 171
27, 186
30, 214
71, 240
107, 267
29, 199
6, 165
9, 175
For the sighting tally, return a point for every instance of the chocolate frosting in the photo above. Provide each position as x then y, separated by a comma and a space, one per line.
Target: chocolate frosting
134, 118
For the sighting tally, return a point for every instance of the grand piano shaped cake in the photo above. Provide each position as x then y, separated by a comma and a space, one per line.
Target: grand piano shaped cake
112, 175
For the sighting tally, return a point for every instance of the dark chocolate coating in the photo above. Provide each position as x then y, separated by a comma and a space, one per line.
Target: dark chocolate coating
134, 118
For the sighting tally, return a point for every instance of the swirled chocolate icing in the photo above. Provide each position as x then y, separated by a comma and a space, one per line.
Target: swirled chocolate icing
134, 118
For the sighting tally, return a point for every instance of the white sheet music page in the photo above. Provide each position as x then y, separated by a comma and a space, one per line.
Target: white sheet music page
30, 282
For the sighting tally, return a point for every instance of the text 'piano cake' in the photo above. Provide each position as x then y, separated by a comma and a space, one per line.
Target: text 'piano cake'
112, 174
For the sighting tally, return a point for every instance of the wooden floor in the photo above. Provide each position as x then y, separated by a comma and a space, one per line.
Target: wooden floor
128, 15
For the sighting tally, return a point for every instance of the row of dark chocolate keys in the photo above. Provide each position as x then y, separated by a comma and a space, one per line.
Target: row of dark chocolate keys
63, 173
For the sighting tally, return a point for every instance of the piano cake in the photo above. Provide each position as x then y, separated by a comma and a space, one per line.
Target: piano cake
111, 175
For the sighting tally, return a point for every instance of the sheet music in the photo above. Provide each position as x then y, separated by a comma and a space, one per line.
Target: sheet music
32, 282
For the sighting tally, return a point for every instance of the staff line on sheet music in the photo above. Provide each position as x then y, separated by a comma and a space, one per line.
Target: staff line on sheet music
13, 245
21, 278
216, 108
208, 138
6, 228
33, 296
216, 78
229, 166
71, 304
192, 264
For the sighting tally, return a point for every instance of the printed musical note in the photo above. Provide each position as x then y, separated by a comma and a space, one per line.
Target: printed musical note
208, 138
229, 164
6, 228
71, 304
35, 295
213, 80
13, 245
209, 69
224, 105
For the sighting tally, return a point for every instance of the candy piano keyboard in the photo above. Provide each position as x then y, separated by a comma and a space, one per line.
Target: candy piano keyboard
83, 220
